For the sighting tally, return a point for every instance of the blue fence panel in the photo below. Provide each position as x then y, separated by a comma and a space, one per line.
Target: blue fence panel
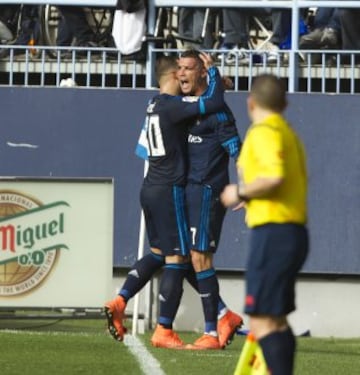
93, 133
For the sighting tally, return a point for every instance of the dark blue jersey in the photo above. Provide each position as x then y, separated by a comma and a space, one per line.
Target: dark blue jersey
211, 140
166, 130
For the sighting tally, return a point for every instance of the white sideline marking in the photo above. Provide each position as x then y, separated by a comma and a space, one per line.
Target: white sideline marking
148, 364
48, 333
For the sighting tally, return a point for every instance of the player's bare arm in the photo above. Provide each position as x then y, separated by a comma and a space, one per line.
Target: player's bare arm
230, 196
261, 187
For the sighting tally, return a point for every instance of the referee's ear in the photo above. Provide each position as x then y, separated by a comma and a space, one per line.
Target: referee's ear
251, 104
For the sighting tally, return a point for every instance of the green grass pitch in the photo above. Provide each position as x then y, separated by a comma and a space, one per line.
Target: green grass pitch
69, 347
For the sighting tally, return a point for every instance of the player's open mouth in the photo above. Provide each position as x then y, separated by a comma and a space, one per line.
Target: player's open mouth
185, 86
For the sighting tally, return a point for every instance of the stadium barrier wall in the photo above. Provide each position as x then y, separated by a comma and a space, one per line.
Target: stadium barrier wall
93, 133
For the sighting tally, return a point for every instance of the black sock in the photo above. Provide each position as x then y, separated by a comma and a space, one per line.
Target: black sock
170, 292
140, 274
279, 351
191, 278
209, 293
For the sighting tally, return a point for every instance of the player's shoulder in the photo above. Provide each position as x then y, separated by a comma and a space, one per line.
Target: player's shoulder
161, 102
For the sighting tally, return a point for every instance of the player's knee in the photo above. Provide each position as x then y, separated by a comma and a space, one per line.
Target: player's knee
156, 251
263, 325
176, 259
201, 261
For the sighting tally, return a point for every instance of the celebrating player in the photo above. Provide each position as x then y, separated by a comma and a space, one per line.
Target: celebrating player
212, 139
162, 198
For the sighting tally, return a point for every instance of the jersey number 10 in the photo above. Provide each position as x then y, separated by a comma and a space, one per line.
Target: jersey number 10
154, 136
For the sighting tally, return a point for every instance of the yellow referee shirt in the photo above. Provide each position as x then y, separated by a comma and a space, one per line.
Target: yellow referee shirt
272, 149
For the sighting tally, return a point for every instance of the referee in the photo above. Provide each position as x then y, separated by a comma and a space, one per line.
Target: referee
273, 185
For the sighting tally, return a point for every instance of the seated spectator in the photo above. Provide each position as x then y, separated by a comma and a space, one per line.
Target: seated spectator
191, 22
350, 28
8, 22
29, 28
326, 33
5, 33
74, 28
236, 28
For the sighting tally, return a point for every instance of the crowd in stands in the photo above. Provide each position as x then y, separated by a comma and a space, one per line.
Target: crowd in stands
73, 27
330, 28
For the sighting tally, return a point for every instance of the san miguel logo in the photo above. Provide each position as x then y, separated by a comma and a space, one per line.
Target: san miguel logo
31, 237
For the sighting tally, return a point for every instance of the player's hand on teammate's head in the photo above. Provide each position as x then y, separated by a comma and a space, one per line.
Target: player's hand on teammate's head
206, 59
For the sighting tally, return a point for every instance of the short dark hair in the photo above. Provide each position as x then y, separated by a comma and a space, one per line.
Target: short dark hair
192, 53
165, 64
269, 92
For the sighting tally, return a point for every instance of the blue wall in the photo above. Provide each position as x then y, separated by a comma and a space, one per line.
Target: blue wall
93, 133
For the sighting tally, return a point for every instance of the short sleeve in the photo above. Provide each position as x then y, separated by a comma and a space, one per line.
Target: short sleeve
268, 151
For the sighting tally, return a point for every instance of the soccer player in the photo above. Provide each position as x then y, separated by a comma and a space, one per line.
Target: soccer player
212, 139
162, 198
273, 185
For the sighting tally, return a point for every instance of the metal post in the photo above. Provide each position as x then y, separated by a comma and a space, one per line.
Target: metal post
150, 58
293, 54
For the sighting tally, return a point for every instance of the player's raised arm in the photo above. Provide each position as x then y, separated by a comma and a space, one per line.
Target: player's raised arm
213, 99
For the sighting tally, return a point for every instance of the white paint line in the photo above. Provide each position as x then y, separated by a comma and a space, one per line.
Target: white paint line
48, 333
25, 145
149, 365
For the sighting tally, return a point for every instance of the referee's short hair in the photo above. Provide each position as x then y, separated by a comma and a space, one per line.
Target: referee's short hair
269, 92
164, 65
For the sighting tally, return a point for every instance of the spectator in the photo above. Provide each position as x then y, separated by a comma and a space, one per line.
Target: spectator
350, 28
8, 14
29, 28
281, 26
191, 23
326, 33
74, 28
236, 28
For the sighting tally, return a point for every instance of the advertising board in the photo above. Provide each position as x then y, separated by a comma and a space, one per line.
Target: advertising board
56, 242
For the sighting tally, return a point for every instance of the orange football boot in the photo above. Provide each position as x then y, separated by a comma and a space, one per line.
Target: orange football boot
114, 311
227, 327
166, 338
205, 342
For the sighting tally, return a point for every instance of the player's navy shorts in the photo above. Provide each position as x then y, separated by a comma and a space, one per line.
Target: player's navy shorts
166, 224
276, 254
205, 215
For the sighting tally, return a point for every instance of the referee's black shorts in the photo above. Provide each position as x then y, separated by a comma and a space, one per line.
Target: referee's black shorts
166, 224
276, 254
